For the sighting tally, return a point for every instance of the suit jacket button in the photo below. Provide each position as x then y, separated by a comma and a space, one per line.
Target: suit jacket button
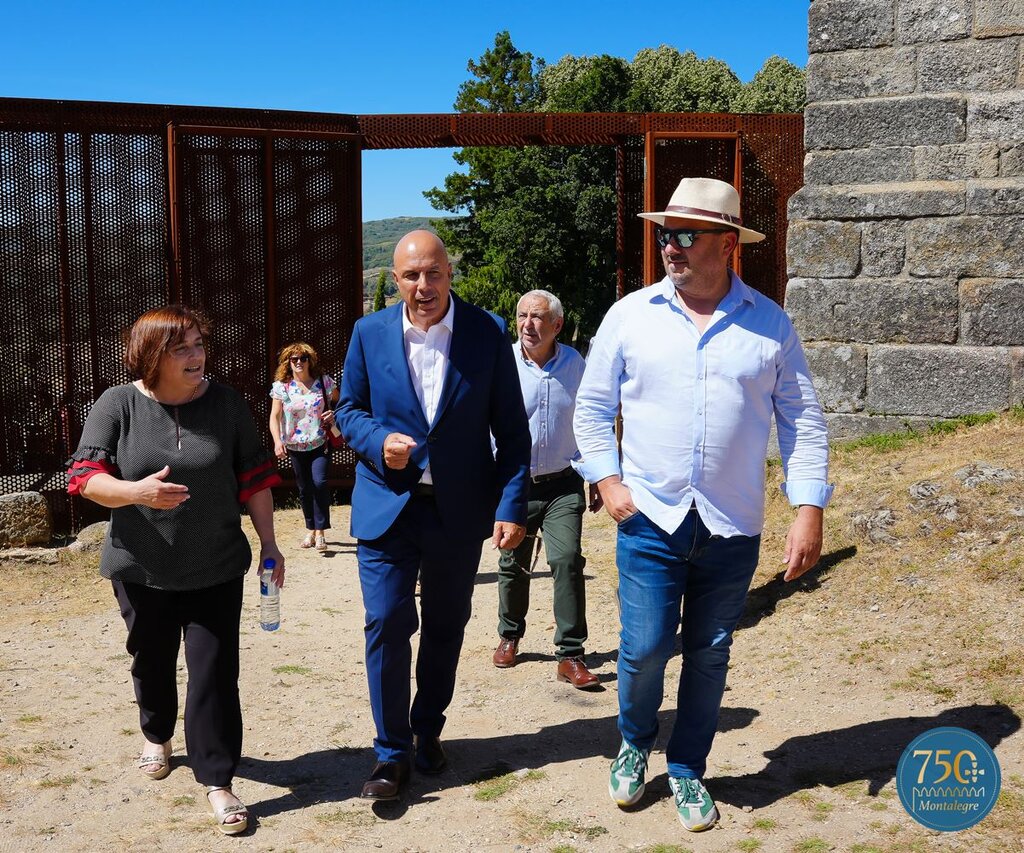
431, 439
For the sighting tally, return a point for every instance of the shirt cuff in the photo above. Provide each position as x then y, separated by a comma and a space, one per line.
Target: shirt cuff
811, 492
82, 470
257, 479
596, 468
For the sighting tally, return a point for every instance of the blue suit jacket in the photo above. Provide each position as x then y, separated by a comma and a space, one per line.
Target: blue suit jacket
473, 486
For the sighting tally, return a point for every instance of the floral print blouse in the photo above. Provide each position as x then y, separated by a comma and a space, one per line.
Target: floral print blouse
301, 428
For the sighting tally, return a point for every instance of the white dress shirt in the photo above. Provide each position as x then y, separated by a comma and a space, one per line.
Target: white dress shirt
427, 354
697, 408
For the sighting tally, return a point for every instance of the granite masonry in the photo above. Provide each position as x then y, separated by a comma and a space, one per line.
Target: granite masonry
906, 243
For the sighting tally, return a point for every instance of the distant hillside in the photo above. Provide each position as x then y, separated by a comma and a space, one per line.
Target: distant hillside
379, 238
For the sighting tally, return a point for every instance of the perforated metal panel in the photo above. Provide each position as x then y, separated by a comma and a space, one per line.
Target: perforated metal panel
259, 224
771, 169
268, 245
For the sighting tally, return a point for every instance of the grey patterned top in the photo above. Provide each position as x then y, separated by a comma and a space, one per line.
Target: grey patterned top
221, 459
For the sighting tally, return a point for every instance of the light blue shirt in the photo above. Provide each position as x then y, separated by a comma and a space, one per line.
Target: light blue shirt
697, 409
549, 393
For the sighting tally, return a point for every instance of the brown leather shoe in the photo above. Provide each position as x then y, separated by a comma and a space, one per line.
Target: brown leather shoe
576, 673
386, 780
505, 654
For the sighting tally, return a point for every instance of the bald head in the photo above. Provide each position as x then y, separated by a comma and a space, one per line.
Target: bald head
424, 277
419, 241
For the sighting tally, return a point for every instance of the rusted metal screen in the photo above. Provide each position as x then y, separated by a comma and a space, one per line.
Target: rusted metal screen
107, 210
86, 246
769, 151
267, 242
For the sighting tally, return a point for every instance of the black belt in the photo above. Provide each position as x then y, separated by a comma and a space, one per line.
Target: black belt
558, 475
423, 490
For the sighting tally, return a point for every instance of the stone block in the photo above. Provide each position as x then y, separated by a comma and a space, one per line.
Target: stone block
992, 312
976, 246
938, 381
859, 166
926, 20
892, 122
1017, 376
996, 115
998, 18
996, 197
840, 375
848, 427
1011, 161
90, 538
874, 310
875, 201
956, 162
968, 66
883, 248
823, 249
844, 24
24, 520
853, 74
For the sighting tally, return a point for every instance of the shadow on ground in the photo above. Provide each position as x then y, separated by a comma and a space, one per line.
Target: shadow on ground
869, 751
762, 601
337, 775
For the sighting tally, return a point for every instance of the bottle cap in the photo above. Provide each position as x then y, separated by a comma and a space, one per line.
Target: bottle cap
269, 563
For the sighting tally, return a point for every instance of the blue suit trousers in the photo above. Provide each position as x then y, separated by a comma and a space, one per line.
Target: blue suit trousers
415, 545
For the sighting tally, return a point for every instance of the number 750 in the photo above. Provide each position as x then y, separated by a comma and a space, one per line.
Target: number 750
951, 767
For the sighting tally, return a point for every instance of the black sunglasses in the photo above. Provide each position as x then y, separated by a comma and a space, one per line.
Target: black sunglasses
683, 236
298, 358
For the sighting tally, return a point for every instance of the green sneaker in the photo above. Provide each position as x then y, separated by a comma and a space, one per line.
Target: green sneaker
626, 782
694, 805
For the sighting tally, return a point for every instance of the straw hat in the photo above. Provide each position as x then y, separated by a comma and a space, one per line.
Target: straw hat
708, 200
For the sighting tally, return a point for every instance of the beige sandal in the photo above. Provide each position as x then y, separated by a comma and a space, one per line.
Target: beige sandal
321, 542
162, 760
222, 814
309, 541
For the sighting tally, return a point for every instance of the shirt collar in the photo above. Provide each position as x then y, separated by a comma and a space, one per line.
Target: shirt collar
448, 320
739, 292
518, 345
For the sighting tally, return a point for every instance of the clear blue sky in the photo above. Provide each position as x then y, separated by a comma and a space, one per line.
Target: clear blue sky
354, 57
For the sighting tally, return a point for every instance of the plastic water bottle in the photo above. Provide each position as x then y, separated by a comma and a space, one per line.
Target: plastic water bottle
270, 598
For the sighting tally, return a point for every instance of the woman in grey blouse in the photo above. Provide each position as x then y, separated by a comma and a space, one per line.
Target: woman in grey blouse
175, 457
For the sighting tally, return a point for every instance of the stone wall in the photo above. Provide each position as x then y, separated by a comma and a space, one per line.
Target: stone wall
906, 243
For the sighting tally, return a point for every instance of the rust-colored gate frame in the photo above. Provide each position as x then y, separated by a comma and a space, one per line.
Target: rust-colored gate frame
634, 136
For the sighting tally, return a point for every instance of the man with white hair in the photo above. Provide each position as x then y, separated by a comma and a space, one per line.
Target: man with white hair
549, 374
699, 363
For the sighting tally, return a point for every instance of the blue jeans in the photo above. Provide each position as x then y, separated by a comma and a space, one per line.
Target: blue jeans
310, 467
659, 572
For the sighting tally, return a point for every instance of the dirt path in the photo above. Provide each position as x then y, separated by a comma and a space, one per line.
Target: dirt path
808, 739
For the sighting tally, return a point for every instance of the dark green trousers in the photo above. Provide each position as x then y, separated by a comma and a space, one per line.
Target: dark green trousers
555, 508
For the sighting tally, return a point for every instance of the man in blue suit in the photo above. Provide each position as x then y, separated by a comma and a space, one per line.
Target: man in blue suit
426, 383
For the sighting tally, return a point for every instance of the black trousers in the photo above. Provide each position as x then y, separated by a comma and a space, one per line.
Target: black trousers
208, 619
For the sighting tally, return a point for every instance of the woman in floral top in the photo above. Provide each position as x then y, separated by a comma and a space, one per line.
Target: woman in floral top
299, 420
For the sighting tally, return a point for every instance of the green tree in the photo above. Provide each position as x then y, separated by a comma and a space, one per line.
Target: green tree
504, 80
544, 217
779, 87
667, 81
378, 296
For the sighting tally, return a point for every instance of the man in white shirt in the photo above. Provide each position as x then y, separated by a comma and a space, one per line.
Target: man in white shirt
699, 363
549, 375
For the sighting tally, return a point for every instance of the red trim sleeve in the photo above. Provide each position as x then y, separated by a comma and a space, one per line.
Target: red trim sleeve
257, 479
82, 470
